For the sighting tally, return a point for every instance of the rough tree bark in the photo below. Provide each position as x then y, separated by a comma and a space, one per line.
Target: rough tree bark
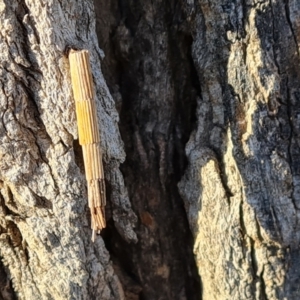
208, 96
45, 234
238, 63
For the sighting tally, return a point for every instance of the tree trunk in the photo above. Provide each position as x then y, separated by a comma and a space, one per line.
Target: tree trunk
206, 95
45, 233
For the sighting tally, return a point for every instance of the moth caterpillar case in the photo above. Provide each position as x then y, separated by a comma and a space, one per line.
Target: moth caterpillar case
89, 138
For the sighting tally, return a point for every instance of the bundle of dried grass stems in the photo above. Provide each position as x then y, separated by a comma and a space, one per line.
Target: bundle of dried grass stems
89, 139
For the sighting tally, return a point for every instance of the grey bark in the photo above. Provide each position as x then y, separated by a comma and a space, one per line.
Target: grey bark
45, 247
240, 188
207, 103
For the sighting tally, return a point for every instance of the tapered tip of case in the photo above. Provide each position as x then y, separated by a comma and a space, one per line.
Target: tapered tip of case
94, 232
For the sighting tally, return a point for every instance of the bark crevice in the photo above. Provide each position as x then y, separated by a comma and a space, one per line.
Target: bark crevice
151, 74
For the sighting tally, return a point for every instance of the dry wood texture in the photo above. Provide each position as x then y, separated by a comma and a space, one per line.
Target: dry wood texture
88, 131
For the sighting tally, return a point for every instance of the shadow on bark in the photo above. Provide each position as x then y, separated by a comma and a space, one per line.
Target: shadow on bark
150, 73
6, 291
243, 75
247, 120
